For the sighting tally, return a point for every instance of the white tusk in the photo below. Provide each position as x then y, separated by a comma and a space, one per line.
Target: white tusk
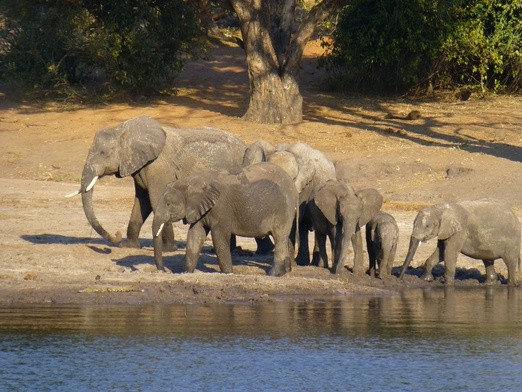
159, 230
89, 187
73, 194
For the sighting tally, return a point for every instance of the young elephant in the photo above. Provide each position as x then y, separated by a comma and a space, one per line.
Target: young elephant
259, 201
483, 229
338, 212
308, 167
382, 235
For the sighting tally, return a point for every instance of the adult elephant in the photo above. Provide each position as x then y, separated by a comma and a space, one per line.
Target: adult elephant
153, 155
308, 167
484, 229
259, 200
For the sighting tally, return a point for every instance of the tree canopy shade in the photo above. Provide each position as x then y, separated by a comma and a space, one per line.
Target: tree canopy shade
394, 46
274, 38
136, 44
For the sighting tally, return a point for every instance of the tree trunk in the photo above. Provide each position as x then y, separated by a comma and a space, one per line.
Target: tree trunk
274, 42
274, 99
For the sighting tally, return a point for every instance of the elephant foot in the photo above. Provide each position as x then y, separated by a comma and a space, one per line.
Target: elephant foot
491, 279
130, 243
277, 270
338, 269
359, 272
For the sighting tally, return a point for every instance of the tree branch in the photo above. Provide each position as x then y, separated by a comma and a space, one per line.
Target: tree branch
317, 14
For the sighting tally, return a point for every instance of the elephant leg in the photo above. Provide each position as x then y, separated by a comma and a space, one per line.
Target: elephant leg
391, 258
512, 261
167, 235
358, 264
282, 263
382, 261
371, 250
221, 241
195, 238
319, 254
303, 253
140, 212
433, 260
452, 247
491, 275
332, 238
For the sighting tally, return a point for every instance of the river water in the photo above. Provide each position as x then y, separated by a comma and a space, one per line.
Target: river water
421, 340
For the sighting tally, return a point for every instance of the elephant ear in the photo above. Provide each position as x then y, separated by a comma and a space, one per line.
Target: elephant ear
305, 175
286, 161
326, 198
371, 204
200, 199
451, 222
257, 152
142, 140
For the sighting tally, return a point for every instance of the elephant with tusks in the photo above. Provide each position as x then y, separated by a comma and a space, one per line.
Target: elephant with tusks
153, 155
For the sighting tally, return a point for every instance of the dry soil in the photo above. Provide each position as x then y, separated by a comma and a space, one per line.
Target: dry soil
49, 254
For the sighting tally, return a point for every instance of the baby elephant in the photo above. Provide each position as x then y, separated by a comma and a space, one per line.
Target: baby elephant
338, 212
382, 235
259, 201
484, 229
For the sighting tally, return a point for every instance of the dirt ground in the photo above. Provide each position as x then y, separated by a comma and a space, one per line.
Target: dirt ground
49, 254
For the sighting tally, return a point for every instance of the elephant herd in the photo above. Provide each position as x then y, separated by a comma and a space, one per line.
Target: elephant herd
214, 183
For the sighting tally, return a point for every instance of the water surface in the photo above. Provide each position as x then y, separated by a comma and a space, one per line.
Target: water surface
434, 339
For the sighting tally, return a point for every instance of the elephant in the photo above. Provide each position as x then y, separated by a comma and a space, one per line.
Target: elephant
308, 167
259, 200
338, 212
484, 229
382, 236
153, 155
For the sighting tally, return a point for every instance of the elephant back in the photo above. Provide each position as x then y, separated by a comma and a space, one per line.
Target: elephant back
197, 149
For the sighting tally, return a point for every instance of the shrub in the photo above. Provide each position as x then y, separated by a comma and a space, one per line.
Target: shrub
136, 44
484, 48
392, 46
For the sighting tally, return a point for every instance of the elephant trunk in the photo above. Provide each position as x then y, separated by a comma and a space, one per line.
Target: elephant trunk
157, 227
88, 179
414, 243
343, 238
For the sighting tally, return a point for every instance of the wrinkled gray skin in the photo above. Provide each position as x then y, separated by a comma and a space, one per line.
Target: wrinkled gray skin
259, 201
154, 156
382, 235
308, 167
484, 229
338, 212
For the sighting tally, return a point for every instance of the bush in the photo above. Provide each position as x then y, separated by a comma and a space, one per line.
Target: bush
136, 44
484, 48
392, 46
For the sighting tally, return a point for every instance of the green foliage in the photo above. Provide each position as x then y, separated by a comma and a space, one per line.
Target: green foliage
392, 46
484, 48
135, 44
